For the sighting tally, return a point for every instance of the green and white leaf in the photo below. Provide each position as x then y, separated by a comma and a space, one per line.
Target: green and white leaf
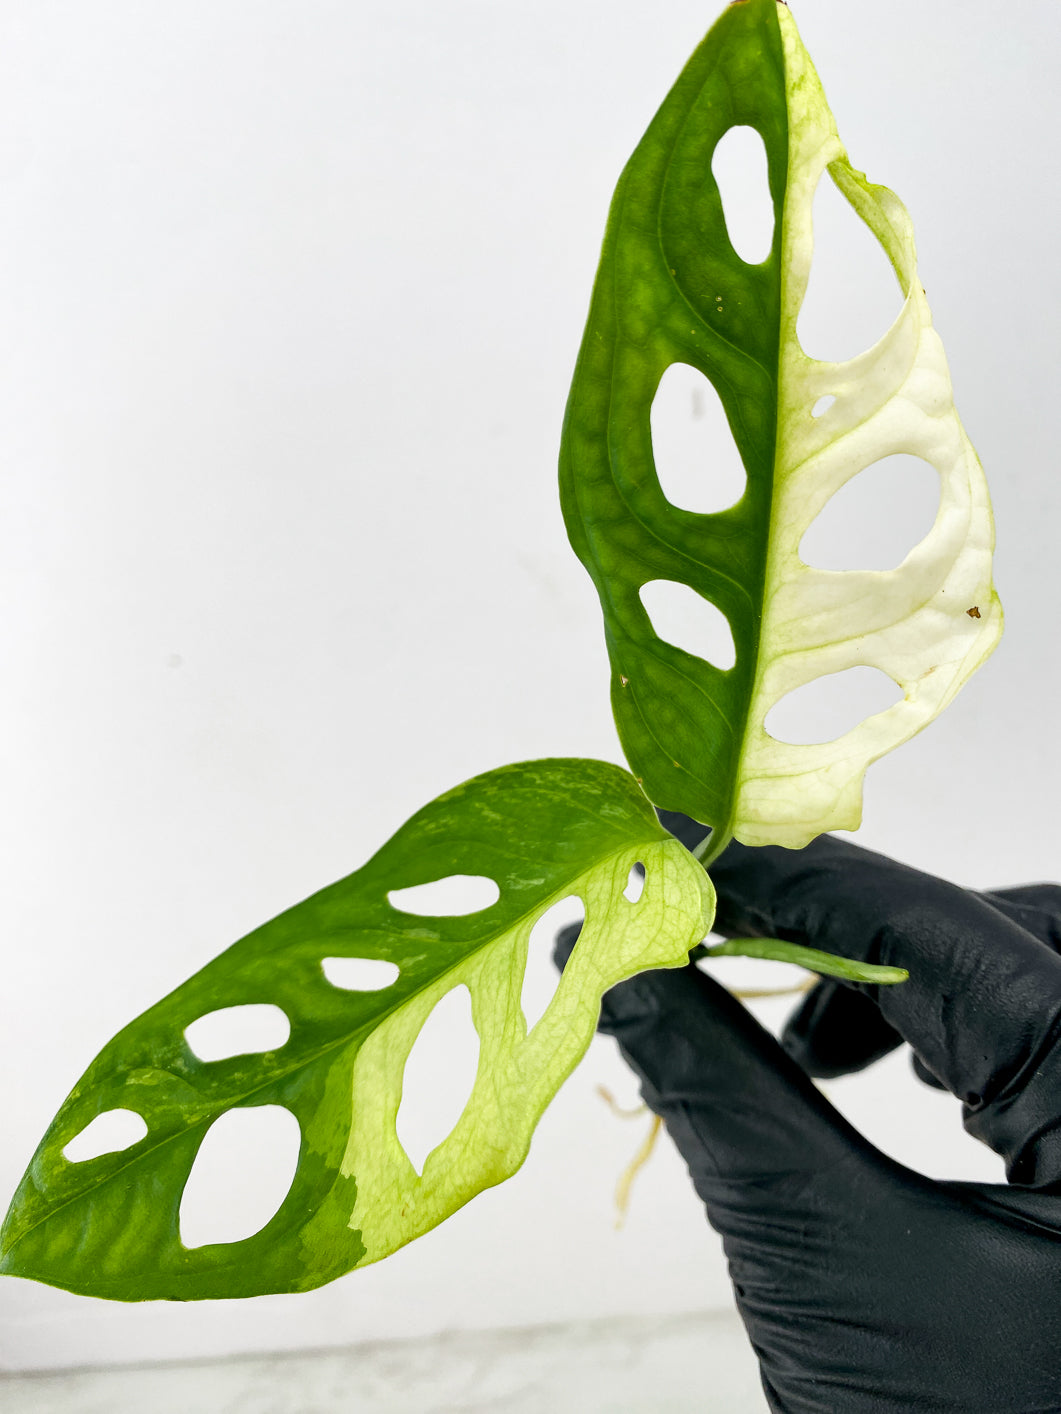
109, 1226
671, 289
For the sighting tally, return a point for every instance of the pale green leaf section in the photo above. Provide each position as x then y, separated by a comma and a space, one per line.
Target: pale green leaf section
929, 623
519, 1071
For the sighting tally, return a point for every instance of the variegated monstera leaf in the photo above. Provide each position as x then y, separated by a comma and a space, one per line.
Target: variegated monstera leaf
671, 289
110, 1225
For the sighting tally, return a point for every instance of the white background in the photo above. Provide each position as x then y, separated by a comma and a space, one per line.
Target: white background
291, 295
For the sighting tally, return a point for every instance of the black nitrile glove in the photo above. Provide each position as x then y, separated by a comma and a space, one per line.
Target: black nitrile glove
863, 1285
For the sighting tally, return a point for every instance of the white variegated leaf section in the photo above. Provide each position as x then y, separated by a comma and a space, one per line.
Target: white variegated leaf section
913, 622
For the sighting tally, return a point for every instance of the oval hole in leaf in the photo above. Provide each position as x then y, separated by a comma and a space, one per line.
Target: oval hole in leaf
360, 974
541, 976
687, 620
823, 404
108, 1133
238, 1031
853, 296
635, 884
438, 1077
740, 168
697, 463
874, 521
452, 897
826, 708
242, 1174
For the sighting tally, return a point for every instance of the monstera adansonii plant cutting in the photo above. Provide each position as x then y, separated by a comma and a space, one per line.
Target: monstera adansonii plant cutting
671, 289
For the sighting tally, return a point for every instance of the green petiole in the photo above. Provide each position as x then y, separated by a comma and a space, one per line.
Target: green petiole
825, 963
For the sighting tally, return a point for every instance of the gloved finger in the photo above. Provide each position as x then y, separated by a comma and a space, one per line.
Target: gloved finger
1036, 907
744, 1116
982, 1007
836, 1030
923, 1073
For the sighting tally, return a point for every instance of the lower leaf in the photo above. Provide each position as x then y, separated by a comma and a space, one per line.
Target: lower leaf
109, 1226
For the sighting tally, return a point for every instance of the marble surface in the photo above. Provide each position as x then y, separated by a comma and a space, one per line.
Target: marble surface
698, 1361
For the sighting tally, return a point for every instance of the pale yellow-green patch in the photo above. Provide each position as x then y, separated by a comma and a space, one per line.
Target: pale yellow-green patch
915, 623
519, 1071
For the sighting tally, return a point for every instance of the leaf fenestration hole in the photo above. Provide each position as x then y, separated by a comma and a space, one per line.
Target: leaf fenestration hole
697, 463
360, 974
831, 705
635, 884
687, 620
853, 295
451, 897
823, 404
876, 519
740, 168
439, 1075
108, 1133
541, 977
241, 1175
238, 1031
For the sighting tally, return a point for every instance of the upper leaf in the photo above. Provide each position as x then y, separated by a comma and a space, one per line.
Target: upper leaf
671, 289
109, 1226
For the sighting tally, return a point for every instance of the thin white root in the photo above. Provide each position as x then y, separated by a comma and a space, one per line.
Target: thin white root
633, 1168
640, 1159
625, 1185
617, 1109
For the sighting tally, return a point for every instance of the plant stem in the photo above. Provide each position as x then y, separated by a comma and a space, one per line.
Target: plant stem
824, 963
709, 848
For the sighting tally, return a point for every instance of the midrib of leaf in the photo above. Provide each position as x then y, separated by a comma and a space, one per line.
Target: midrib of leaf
754, 592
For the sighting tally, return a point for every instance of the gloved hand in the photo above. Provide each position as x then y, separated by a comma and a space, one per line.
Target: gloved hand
863, 1285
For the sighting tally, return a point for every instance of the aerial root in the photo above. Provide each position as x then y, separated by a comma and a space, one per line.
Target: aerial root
633, 1168
615, 1107
640, 1159
626, 1179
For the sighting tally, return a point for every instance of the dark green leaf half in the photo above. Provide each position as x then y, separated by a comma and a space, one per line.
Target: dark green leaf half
666, 260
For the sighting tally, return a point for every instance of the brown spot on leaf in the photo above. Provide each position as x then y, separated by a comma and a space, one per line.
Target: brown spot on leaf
623, 680
974, 612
